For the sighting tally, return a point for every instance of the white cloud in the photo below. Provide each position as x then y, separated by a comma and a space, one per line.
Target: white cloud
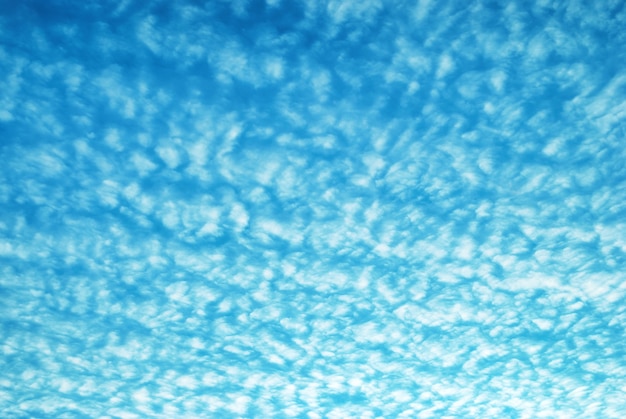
446, 66
169, 155
142, 164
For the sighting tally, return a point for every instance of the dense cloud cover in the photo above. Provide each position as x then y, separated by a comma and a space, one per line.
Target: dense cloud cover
312, 209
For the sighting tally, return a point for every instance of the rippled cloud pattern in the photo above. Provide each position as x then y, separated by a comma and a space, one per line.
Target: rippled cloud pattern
313, 209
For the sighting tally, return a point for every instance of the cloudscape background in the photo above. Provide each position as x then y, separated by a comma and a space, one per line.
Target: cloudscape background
313, 209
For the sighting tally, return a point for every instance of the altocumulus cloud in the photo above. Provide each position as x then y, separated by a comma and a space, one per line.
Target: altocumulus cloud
313, 209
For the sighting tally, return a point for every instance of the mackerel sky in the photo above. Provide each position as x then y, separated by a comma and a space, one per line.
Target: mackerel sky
312, 209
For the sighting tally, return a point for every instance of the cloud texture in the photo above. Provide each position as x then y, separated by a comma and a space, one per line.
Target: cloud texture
313, 209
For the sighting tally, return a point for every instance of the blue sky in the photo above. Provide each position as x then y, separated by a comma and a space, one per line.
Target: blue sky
314, 209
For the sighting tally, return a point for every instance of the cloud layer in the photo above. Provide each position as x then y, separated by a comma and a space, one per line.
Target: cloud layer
325, 209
